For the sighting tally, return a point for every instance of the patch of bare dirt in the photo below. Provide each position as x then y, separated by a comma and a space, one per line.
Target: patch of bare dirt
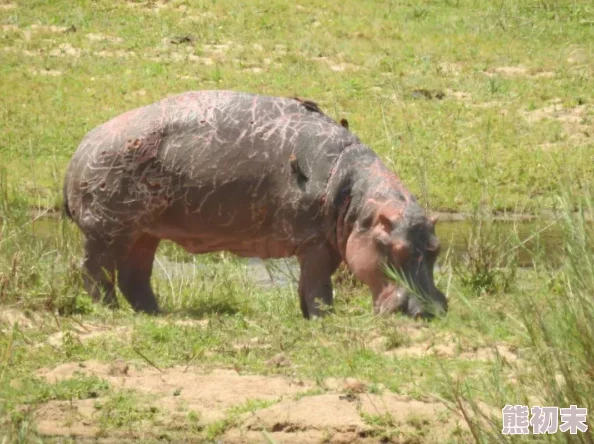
211, 53
104, 38
10, 28
27, 34
85, 332
447, 68
454, 351
346, 385
237, 436
49, 28
337, 66
24, 52
466, 97
7, 6
353, 417
139, 93
254, 69
411, 343
517, 71
577, 55
64, 418
196, 78
199, 17
46, 72
202, 323
345, 419
9, 317
577, 121
251, 344
115, 54
210, 394
66, 50
218, 49
459, 95
150, 5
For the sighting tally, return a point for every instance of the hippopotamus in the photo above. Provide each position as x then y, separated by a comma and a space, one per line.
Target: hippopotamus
257, 176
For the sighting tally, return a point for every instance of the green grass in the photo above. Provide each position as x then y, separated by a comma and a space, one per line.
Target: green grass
482, 153
544, 319
450, 152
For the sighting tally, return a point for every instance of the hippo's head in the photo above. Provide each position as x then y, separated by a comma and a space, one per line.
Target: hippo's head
404, 241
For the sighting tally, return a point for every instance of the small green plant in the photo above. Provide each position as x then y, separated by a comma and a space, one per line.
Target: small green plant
380, 420
396, 338
125, 409
489, 265
217, 428
78, 387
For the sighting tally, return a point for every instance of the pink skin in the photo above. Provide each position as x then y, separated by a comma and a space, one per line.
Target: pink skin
365, 259
366, 253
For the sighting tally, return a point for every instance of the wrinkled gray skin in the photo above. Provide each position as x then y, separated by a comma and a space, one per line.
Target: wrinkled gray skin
258, 176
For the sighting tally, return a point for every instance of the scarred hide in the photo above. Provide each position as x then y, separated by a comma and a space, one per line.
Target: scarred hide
258, 176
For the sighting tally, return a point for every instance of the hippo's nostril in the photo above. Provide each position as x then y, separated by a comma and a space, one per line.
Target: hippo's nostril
423, 315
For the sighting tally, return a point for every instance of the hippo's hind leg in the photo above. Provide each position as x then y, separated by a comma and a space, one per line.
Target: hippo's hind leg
99, 266
315, 284
134, 274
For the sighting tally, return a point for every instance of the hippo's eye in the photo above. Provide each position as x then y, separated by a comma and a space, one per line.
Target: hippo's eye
401, 251
433, 245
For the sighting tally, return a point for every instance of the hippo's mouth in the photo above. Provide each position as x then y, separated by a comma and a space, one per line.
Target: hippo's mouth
401, 300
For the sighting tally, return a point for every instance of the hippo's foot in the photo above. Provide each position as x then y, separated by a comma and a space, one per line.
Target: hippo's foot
134, 275
134, 263
315, 285
99, 267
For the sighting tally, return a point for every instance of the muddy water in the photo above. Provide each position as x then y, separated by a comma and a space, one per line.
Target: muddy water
525, 242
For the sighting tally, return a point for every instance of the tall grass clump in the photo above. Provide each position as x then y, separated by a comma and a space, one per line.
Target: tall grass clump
38, 265
489, 264
200, 285
555, 321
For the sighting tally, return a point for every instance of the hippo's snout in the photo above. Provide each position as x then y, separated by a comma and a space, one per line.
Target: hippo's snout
404, 301
428, 308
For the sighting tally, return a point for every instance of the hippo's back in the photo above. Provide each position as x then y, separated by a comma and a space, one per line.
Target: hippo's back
222, 163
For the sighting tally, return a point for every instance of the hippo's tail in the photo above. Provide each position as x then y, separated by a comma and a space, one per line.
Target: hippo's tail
65, 206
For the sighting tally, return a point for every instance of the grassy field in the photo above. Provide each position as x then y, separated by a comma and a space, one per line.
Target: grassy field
480, 106
517, 79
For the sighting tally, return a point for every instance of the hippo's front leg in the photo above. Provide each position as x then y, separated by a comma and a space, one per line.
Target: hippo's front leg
315, 284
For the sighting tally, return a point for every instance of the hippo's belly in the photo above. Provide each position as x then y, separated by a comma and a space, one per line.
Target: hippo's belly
262, 217
265, 248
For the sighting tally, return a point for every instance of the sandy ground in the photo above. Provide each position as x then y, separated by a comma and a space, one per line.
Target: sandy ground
284, 409
336, 416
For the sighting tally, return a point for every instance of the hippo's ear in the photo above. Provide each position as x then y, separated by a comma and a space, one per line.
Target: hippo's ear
345, 123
